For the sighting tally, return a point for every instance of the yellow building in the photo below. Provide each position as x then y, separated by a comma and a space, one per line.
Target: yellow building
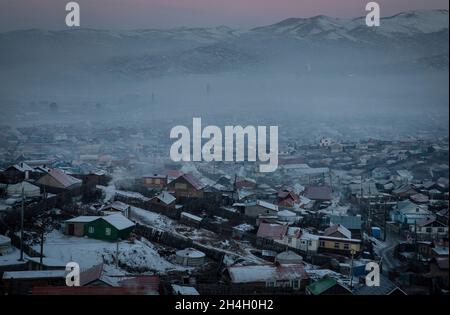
339, 244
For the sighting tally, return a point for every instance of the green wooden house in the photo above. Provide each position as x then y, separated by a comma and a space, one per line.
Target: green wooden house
327, 286
111, 227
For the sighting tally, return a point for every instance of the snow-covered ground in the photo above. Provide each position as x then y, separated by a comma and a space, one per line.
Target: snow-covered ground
11, 258
139, 256
152, 219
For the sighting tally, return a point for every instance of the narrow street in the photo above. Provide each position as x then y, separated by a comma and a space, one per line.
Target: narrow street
386, 251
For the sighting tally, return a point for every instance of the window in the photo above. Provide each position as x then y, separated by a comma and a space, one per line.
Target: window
346, 246
322, 243
441, 230
309, 243
108, 231
295, 284
157, 181
91, 230
429, 230
270, 284
336, 245
180, 186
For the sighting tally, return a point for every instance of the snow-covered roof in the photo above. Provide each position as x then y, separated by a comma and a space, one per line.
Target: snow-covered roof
184, 290
267, 205
22, 167
272, 230
118, 221
190, 216
34, 274
338, 228
263, 273
117, 205
288, 255
166, 197
29, 190
83, 219
64, 179
190, 252
286, 213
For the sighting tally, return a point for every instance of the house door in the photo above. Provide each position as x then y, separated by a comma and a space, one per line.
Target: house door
71, 229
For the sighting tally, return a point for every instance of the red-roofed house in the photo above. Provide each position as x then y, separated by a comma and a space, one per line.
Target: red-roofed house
338, 230
56, 181
287, 198
272, 231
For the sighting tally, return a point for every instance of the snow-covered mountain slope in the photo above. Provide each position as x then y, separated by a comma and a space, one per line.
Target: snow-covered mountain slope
403, 24
418, 39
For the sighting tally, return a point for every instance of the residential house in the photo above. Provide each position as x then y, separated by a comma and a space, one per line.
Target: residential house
22, 282
342, 245
16, 173
186, 186
29, 190
365, 190
352, 223
430, 228
111, 227
407, 212
327, 286
155, 181
289, 276
386, 287
56, 181
300, 239
190, 219
442, 216
419, 198
287, 198
116, 207
318, 193
338, 230
404, 191
260, 207
184, 290
272, 231
245, 183
76, 226
163, 200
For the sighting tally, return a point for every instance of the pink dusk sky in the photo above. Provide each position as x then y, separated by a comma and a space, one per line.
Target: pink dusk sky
130, 14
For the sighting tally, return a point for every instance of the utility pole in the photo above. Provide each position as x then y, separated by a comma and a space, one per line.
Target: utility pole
42, 245
385, 221
117, 253
42, 226
21, 226
331, 181
352, 252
